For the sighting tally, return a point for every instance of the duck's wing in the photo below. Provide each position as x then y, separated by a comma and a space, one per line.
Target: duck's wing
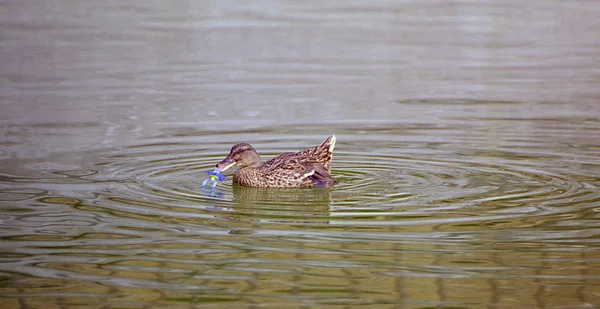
299, 168
320, 174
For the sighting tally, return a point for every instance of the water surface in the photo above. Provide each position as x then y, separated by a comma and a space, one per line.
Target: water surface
468, 144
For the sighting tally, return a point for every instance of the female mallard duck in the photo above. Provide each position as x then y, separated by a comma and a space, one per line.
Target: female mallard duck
306, 168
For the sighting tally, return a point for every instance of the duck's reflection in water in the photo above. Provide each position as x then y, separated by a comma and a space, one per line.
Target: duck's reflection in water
279, 205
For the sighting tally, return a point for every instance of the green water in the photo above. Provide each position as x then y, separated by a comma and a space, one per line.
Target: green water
468, 138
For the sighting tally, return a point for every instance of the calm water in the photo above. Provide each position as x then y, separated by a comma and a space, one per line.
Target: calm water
468, 144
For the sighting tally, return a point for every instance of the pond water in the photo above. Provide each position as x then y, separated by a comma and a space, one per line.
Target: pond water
468, 143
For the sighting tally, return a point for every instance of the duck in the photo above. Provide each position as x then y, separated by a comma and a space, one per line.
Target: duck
310, 167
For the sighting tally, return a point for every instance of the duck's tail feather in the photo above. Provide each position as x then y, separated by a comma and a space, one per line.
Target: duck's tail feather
323, 152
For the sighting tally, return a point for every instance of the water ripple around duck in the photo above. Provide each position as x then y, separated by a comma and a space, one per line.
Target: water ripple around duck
377, 188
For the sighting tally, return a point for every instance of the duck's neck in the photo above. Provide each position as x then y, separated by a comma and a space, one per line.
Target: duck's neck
249, 175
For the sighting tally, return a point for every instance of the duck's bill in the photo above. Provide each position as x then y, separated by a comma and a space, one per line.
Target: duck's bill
225, 165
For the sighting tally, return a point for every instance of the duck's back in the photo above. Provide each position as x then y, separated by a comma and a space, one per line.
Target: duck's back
321, 153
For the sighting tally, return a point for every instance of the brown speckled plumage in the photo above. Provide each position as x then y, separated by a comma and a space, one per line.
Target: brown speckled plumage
306, 168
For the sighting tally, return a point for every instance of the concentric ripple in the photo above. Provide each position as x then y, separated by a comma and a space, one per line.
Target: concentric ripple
387, 186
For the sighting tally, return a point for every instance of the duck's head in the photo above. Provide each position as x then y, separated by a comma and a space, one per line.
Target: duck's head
242, 155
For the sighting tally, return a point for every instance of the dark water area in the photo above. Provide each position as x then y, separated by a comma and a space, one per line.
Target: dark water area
468, 138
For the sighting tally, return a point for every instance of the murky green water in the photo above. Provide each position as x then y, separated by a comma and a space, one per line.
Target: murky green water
468, 144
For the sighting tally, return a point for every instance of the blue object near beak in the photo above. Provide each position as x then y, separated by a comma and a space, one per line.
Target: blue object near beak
214, 178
